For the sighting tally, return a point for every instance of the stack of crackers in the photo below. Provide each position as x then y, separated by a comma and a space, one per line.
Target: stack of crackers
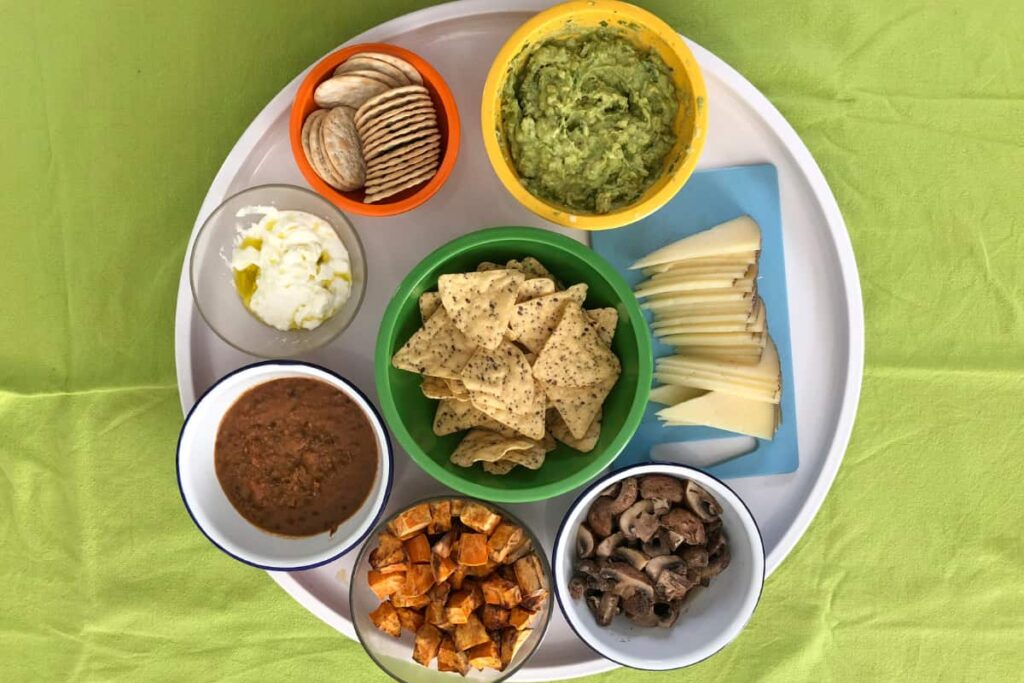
376, 128
515, 359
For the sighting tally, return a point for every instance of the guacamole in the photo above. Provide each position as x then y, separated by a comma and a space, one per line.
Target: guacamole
588, 120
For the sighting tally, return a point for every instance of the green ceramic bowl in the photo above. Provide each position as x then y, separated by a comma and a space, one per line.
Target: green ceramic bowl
410, 414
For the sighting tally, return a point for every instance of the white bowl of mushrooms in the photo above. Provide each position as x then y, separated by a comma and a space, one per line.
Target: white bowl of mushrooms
658, 566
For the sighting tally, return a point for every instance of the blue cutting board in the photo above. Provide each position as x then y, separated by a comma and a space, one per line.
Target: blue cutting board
707, 199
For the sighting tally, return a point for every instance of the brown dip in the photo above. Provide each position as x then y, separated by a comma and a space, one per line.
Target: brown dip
296, 456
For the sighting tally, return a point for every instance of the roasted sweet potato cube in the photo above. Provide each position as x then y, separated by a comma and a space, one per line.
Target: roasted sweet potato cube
443, 546
521, 619
483, 570
440, 517
442, 568
472, 586
529, 574
410, 619
457, 505
501, 592
534, 601
472, 550
418, 580
388, 551
479, 517
460, 605
411, 521
385, 617
392, 568
485, 656
458, 577
450, 659
494, 618
504, 539
417, 548
470, 634
525, 546
438, 596
410, 601
428, 642
511, 641
383, 584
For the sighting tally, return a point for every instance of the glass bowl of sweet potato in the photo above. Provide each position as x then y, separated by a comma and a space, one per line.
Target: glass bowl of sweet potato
450, 588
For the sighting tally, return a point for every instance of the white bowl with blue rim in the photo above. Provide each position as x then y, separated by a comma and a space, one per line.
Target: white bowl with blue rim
712, 618
217, 518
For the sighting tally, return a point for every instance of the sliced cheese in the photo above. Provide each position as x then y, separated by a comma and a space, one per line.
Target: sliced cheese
716, 339
732, 237
733, 272
708, 296
743, 307
767, 383
728, 261
755, 324
743, 317
724, 411
694, 286
669, 395
758, 393
751, 354
767, 367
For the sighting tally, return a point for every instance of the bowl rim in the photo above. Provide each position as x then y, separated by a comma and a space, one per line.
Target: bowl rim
373, 415
432, 80
506, 172
356, 246
538, 550
525, 235
679, 471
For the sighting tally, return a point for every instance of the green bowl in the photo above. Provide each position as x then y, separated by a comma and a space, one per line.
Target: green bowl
410, 415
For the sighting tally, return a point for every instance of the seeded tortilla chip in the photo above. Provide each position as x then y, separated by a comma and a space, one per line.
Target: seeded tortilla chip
429, 302
437, 349
558, 430
503, 372
579, 407
458, 389
535, 287
524, 416
500, 467
533, 321
574, 355
480, 304
530, 267
531, 458
487, 265
455, 416
435, 387
606, 320
480, 444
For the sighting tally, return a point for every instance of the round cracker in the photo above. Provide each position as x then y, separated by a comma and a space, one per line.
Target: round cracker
397, 62
404, 128
357, 63
318, 159
397, 174
348, 90
393, 116
375, 75
367, 108
402, 163
342, 148
304, 136
395, 189
391, 142
433, 142
400, 103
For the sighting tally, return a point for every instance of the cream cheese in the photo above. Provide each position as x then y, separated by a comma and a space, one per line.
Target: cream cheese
290, 268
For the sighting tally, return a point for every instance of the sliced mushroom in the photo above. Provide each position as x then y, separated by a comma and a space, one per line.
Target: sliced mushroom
600, 517
627, 579
584, 542
669, 539
660, 505
612, 490
633, 556
577, 586
607, 608
647, 525
667, 613
715, 542
662, 486
626, 496
637, 604
673, 585
655, 547
686, 524
716, 565
701, 503
606, 547
694, 557
656, 565
628, 519
589, 567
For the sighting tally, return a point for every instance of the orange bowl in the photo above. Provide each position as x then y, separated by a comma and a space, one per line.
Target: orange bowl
447, 122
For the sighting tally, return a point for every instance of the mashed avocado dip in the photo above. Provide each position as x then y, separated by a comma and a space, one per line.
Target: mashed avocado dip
588, 120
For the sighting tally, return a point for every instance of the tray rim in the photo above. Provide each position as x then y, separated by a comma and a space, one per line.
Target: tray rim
795, 147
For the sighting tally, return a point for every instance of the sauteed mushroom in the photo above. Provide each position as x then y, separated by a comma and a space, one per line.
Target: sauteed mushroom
584, 542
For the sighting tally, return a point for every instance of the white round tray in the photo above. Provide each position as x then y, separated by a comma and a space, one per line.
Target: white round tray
826, 316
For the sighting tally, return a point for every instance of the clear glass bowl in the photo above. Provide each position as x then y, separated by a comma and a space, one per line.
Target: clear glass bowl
213, 286
394, 655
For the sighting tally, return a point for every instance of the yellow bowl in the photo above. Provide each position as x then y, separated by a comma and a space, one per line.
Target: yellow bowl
644, 30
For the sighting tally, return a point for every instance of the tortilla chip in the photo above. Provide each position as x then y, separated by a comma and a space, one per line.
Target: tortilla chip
500, 467
455, 416
481, 444
429, 302
487, 265
558, 430
606, 320
530, 267
531, 458
480, 304
533, 321
525, 417
435, 387
535, 287
437, 349
574, 355
503, 372
579, 407
458, 389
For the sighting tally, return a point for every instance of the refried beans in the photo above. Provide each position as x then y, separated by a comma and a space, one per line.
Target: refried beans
296, 456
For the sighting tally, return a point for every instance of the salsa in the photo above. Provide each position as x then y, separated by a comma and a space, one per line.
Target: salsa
588, 120
296, 456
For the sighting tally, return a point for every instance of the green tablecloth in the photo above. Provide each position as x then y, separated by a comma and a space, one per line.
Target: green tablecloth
115, 117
